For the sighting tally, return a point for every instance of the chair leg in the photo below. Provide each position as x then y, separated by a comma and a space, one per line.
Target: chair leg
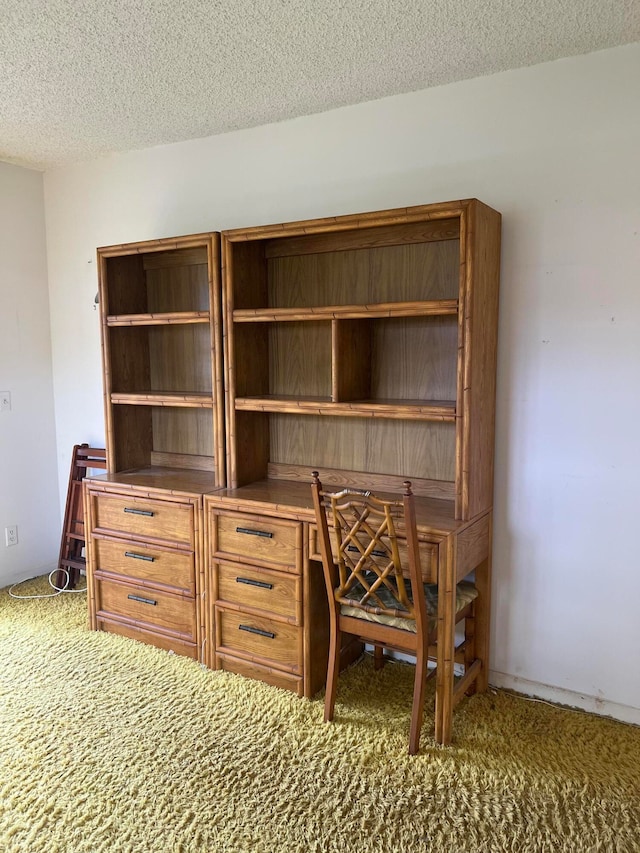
417, 710
333, 669
378, 657
482, 609
470, 646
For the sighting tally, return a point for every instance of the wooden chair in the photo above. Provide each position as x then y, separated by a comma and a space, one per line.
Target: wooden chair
71, 560
372, 595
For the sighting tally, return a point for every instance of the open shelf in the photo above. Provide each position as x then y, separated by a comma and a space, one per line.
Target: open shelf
161, 335
176, 318
164, 398
365, 345
440, 410
440, 307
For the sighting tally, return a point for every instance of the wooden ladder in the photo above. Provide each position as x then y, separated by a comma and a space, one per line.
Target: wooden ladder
71, 559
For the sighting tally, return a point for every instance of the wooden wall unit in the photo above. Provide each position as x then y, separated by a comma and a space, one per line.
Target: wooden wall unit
366, 345
360, 346
164, 411
162, 358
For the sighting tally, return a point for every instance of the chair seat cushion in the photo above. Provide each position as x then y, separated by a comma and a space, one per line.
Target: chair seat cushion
465, 594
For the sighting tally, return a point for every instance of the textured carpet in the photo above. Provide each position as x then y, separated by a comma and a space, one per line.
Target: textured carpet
109, 745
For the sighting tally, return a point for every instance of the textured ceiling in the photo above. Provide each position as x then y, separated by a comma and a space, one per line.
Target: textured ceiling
82, 78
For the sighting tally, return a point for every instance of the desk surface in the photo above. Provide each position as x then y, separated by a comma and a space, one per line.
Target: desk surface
294, 499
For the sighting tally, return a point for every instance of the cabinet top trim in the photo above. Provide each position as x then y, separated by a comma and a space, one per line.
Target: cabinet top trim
395, 216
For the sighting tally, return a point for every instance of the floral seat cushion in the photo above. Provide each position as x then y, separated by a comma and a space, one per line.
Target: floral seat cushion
465, 594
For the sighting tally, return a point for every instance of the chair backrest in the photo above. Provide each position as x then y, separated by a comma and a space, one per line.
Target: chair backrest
370, 574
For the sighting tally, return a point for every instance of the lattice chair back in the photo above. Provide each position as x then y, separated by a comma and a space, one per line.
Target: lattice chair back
370, 575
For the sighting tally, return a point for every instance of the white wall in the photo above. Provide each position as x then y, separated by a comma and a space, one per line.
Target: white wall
28, 464
555, 149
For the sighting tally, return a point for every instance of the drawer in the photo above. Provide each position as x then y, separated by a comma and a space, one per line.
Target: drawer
257, 538
262, 589
274, 677
146, 608
428, 553
259, 639
146, 563
143, 518
161, 641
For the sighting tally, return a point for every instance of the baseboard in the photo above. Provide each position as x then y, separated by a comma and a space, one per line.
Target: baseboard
22, 575
560, 696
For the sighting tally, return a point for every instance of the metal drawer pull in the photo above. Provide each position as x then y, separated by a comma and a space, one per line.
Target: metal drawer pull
269, 634
133, 511
374, 553
250, 532
142, 600
251, 582
139, 556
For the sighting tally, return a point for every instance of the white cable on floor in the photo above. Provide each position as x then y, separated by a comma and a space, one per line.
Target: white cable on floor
58, 590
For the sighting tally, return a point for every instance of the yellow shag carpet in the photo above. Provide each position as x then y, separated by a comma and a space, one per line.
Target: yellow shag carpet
109, 745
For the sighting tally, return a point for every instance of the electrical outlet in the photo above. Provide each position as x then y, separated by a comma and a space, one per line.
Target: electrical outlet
11, 535
5, 401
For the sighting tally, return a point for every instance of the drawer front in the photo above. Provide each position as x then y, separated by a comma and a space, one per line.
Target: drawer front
274, 677
146, 607
161, 641
259, 639
257, 538
143, 518
146, 563
428, 553
274, 592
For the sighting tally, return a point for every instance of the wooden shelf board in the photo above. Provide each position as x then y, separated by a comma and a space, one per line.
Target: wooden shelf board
440, 410
164, 398
435, 307
165, 319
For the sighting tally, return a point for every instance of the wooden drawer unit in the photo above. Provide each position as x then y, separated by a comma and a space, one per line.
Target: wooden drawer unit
259, 639
259, 539
428, 553
144, 565
146, 607
143, 518
252, 588
149, 564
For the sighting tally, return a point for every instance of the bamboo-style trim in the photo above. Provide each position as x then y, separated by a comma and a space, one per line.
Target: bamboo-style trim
199, 580
160, 319
217, 326
229, 361
445, 641
460, 396
134, 492
432, 308
295, 681
396, 410
470, 219
395, 216
89, 560
164, 398
103, 297
188, 241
